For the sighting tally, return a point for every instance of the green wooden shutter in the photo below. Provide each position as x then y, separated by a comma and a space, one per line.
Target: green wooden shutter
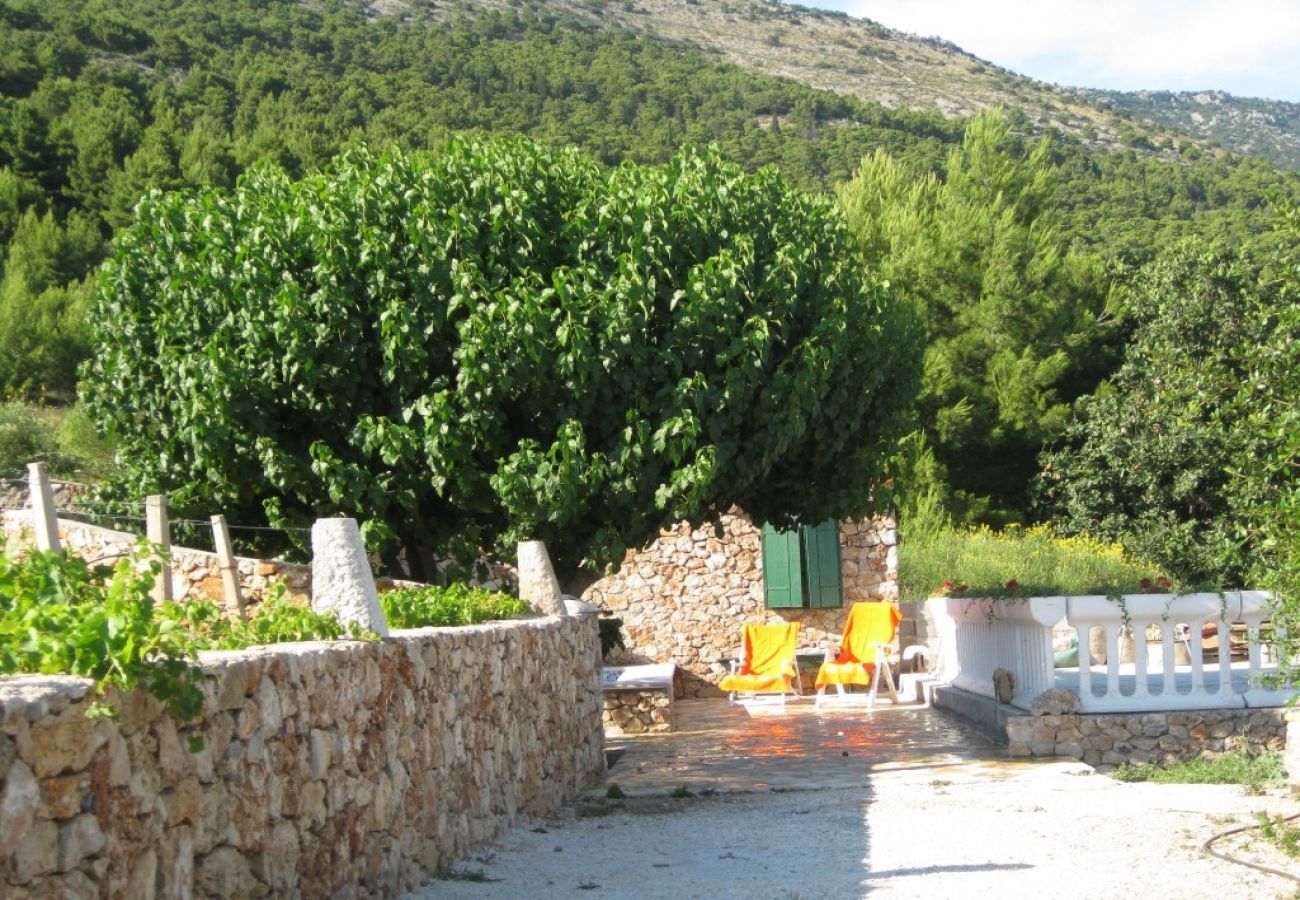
782, 569
821, 553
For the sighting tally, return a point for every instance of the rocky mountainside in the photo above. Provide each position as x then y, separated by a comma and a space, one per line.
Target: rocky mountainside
835, 52
846, 55
1267, 128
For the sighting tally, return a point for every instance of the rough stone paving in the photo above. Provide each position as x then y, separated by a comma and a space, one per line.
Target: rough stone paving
343, 769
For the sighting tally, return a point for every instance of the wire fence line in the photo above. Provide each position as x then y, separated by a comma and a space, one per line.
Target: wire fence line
118, 517
286, 543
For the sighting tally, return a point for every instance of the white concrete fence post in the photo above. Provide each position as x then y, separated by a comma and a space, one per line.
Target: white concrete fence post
341, 580
158, 529
538, 586
44, 520
229, 575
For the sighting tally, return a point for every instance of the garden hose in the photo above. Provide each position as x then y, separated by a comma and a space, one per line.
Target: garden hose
1208, 848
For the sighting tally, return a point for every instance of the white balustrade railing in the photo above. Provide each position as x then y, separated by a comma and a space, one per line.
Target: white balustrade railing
978, 637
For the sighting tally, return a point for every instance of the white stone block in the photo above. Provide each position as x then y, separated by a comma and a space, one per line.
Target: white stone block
341, 579
538, 585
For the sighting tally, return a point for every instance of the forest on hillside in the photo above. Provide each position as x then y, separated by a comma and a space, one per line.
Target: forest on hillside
1017, 250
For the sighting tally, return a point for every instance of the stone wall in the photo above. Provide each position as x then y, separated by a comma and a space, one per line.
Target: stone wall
1163, 738
14, 493
637, 712
195, 573
684, 598
344, 769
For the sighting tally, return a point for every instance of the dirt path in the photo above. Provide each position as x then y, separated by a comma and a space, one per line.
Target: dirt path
920, 807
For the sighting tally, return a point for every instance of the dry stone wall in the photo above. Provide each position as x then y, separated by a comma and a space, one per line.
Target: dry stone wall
637, 712
195, 573
14, 494
1162, 738
344, 769
684, 598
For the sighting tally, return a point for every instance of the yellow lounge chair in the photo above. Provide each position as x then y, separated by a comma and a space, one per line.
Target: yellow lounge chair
768, 664
863, 653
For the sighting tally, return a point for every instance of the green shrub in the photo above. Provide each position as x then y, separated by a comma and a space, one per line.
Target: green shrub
1232, 768
28, 434
79, 441
1017, 562
275, 621
63, 439
455, 604
61, 616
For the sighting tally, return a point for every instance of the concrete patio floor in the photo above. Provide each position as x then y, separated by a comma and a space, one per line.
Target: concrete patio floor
762, 746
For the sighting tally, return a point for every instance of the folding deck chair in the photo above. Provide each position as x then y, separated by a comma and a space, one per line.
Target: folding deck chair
767, 665
864, 652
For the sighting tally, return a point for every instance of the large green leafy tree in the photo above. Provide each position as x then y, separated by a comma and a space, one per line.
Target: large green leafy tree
497, 343
1015, 319
1274, 383
1170, 455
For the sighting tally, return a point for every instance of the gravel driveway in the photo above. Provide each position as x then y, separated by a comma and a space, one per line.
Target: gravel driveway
935, 815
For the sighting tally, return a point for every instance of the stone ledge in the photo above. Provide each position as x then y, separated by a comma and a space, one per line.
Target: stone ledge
987, 715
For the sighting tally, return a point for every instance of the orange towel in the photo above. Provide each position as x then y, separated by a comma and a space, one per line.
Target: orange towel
767, 662
867, 624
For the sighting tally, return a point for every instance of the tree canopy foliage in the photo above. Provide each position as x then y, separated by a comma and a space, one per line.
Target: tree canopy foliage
501, 342
101, 101
1275, 382
1015, 317
1172, 455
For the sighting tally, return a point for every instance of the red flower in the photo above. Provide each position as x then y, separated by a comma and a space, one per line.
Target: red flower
947, 585
962, 587
1013, 585
1146, 584
1164, 582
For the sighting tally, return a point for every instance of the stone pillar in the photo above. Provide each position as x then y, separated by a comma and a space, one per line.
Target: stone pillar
340, 574
43, 515
538, 586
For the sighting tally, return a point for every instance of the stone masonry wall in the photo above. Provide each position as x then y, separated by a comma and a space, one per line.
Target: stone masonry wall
14, 493
685, 598
636, 712
344, 769
195, 573
1163, 738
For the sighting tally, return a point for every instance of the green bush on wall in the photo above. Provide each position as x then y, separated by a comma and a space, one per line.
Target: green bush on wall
60, 616
1021, 562
455, 604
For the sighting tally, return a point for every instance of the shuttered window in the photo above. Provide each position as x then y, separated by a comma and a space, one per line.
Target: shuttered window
801, 568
